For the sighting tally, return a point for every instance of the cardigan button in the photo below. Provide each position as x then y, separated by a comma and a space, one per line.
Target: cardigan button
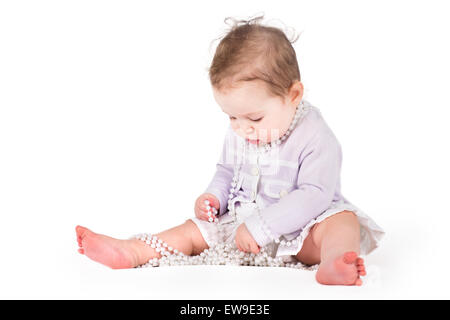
283, 193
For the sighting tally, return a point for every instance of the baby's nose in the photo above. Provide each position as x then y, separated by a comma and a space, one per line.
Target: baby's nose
250, 132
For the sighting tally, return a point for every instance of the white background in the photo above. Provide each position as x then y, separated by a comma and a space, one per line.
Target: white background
107, 120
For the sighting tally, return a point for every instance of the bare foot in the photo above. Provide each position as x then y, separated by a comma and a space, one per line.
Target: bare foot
344, 270
114, 253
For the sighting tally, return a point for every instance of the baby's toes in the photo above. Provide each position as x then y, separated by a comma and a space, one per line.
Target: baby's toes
360, 267
79, 240
361, 270
82, 233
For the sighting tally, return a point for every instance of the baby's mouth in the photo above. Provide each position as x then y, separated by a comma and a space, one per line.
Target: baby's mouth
253, 141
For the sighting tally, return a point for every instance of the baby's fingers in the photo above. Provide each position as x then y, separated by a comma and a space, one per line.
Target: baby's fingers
209, 205
255, 249
212, 201
237, 244
210, 212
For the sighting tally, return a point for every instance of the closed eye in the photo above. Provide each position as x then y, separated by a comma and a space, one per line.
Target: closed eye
256, 120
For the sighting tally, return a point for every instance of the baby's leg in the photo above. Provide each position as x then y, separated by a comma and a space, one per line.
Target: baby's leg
334, 243
121, 254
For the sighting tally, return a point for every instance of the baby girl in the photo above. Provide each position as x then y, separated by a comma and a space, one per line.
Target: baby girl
277, 183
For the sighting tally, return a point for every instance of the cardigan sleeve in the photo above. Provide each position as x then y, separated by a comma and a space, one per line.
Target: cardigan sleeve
221, 181
318, 176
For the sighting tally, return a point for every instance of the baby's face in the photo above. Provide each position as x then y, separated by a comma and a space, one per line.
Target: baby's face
254, 114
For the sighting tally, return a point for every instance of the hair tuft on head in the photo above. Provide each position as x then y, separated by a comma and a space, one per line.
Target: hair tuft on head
253, 51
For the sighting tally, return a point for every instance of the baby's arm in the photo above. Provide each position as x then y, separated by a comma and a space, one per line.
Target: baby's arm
320, 165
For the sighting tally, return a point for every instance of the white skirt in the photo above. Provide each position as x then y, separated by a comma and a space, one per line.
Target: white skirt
225, 230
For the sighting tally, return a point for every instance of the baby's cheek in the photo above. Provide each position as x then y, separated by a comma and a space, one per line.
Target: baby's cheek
237, 131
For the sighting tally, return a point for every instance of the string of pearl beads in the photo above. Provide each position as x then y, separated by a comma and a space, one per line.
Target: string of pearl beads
300, 112
159, 245
212, 212
217, 254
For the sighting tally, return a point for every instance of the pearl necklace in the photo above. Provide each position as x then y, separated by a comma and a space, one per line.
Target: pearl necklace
217, 254
300, 112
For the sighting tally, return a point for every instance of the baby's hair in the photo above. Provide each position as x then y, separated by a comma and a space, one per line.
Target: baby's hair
251, 51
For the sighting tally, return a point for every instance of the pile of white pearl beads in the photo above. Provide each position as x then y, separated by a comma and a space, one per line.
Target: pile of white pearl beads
211, 212
218, 254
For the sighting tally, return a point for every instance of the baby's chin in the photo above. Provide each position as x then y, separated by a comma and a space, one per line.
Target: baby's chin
258, 142
262, 140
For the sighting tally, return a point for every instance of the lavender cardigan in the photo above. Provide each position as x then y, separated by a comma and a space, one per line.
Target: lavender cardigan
291, 185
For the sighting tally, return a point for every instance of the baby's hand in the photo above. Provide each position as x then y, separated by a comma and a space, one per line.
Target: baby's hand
244, 240
200, 209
